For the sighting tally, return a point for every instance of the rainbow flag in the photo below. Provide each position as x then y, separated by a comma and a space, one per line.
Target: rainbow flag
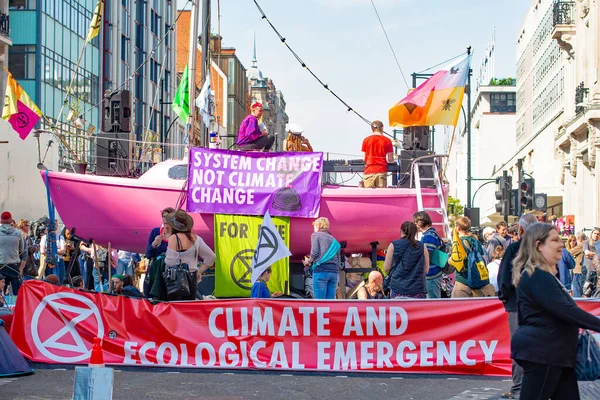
436, 101
19, 110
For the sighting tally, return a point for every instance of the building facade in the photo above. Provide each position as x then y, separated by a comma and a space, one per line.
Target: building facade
493, 131
541, 71
47, 40
47, 37
139, 44
5, 41
576, 31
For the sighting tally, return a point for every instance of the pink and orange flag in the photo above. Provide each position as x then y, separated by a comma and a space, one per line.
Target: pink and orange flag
19, 110
436, 101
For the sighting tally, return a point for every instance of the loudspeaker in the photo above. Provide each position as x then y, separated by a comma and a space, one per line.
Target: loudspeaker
416, 138
473, 215
406, 159
114, 153
117, 112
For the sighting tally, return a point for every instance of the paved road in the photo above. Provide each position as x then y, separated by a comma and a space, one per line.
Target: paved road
158, 384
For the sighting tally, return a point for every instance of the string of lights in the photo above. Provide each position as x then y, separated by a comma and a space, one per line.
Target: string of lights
297, 57
390, 44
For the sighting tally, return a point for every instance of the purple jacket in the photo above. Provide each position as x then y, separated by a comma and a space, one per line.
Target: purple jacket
249, 131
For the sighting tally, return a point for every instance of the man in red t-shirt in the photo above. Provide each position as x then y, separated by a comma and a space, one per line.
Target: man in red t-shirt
379, 152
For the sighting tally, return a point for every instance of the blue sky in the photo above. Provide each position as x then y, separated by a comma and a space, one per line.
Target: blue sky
343, 43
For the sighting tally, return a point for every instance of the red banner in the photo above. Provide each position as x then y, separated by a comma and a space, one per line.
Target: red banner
57, 325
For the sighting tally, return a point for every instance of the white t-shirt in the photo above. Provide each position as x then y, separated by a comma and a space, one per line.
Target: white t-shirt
60, 243
493, 269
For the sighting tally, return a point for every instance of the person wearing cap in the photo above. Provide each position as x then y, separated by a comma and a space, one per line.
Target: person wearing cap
250, 136
379, 151
117, 284
295, 141
187, 248
13, 252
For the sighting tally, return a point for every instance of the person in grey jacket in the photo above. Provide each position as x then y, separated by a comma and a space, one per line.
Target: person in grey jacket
324, 260
13, 252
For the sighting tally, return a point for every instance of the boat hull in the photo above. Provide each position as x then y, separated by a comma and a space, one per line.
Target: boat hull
123, 211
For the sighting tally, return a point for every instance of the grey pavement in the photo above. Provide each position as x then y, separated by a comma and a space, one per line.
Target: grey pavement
50, 382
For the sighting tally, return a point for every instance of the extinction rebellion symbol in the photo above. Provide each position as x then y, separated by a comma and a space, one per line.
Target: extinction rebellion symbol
22, 120
58, 323
241, 269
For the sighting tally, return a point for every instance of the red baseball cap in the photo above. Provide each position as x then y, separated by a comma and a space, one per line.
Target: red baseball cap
6, 216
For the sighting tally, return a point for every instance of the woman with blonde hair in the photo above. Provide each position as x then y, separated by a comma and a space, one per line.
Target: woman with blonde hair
373, 289
545, 343
324, 260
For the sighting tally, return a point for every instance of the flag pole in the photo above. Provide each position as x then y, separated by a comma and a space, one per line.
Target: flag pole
449, 151
195, 19
469, 72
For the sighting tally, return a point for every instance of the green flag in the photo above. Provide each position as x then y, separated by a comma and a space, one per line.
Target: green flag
181, 102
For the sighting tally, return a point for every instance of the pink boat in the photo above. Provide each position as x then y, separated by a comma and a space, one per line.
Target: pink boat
123, 211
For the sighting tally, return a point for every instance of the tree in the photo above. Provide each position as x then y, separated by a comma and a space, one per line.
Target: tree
455, 209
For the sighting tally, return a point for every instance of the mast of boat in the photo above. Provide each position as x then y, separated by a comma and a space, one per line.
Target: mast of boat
195, 19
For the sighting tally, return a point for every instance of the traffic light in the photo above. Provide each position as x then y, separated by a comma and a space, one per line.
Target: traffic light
503, 194
526, 192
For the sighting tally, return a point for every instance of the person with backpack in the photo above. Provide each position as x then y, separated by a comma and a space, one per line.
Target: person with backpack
433, 243
472, 280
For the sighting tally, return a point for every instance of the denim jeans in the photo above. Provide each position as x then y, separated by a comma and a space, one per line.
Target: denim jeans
104, 287
434, 287
83, 270
124, 267
325, 285
59, 270
577, 285
11, 275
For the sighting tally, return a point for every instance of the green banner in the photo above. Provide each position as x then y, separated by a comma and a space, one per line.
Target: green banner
236, 237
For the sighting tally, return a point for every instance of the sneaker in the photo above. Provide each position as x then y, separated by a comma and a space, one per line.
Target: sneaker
509, 395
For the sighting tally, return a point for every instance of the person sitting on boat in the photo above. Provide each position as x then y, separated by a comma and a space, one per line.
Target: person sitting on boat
379, 151
324, 260
186, 247
295, 141
250, 136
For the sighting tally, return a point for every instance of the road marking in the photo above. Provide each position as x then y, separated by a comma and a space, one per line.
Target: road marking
60, 369
477, 394
286, 375
341, 376
397, 377
452, 379
4, 381
172, 372
228, 373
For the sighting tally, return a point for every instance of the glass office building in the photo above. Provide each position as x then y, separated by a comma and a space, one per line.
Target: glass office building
47, 39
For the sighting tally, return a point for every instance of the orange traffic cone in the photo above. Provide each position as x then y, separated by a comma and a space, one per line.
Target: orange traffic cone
97, 359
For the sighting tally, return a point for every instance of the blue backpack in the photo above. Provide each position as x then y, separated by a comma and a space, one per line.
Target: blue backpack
477, 272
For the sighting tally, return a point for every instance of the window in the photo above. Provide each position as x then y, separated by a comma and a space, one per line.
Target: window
21, 4
21, 62
503, 102
124, 49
